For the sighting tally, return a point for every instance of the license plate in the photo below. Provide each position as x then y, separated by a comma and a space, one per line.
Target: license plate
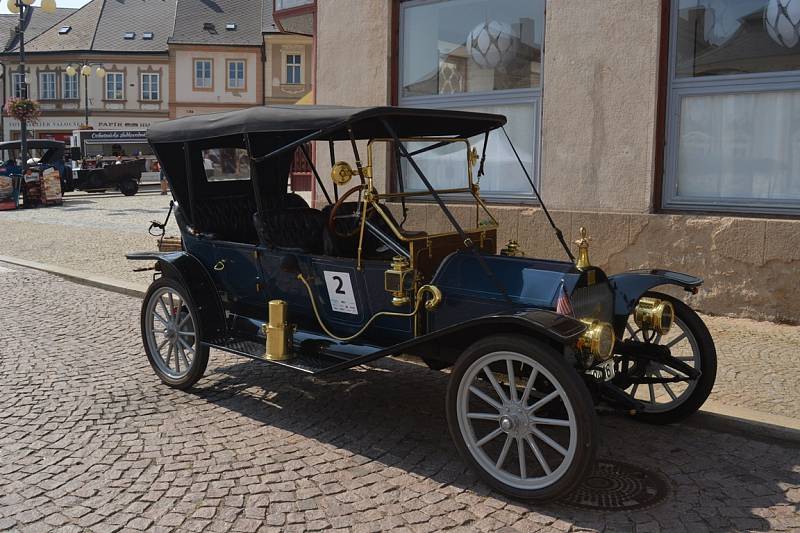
602, 371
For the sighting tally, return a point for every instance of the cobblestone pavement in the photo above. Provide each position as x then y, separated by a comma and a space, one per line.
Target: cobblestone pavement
759, 364
102, 227
91, 439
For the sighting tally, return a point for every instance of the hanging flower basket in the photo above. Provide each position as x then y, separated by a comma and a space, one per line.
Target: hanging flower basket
23, 109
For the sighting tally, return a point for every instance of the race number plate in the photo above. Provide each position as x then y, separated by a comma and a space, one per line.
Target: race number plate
602, 371
340, 292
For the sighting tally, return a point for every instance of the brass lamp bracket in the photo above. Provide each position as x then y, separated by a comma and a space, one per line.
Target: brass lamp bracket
473, 157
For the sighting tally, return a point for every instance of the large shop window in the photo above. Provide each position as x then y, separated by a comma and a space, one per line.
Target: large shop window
733, 134
477, 55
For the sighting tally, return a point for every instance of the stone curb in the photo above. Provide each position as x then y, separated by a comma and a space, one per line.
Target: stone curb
712, 416
92, 280
746, 422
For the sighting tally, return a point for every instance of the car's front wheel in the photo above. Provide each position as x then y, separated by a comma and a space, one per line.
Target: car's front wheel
172, 335
669, 395
521, 417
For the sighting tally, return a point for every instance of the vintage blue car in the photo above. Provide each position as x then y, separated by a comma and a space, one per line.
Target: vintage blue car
533, 346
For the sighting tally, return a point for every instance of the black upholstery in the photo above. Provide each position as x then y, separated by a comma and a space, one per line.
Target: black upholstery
299, 229
226, 217
294, 200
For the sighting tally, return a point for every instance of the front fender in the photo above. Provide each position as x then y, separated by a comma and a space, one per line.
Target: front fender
628, 287
186, 269
446, 344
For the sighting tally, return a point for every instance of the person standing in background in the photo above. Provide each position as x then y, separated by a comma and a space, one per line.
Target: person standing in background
161, 178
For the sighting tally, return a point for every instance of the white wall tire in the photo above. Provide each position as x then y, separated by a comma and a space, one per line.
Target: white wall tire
535, 440
171, 334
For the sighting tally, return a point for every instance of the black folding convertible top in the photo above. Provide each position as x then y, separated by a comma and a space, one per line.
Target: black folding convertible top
329, 122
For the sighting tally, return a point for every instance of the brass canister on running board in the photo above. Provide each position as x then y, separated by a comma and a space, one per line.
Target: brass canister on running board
278, 332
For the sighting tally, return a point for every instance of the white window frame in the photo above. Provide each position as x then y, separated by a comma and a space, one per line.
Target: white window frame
241, 84
301, 65
65, 79
153, 93
52, 76
106, 93
210, 78
478, 100
680, 88
17, 81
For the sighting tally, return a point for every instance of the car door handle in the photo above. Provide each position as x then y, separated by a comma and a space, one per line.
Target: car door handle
220, 265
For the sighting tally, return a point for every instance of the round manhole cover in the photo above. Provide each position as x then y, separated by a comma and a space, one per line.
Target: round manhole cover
615, 486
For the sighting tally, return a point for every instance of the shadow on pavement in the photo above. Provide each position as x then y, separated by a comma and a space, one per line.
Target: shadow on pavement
393, 414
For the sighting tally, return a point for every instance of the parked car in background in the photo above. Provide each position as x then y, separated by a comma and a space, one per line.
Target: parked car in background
100, 175
44, 153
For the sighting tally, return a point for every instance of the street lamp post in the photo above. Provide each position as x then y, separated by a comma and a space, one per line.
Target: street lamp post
86, 71
21, 7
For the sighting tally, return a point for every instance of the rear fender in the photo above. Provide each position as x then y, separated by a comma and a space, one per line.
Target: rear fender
190, 273
628, 287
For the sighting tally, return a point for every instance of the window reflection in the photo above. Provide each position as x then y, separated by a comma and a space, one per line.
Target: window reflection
464, 46
721, 37
222, 164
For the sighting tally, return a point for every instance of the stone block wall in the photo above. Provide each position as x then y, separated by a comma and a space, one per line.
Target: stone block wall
750, 266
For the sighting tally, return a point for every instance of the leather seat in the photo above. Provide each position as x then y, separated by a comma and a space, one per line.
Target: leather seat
297, 229
226, 218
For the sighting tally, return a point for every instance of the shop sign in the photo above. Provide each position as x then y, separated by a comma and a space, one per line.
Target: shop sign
114, 135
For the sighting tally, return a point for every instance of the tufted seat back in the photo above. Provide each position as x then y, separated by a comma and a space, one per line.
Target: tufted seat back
298, 229
226, 218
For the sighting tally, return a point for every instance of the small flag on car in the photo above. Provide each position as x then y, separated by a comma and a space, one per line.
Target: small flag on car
563, 304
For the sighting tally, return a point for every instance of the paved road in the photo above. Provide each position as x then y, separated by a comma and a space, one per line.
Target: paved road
90, 439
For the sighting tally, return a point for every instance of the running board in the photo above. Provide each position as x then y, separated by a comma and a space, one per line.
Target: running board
311, 355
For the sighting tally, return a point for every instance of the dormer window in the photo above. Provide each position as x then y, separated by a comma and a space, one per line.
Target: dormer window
130, 35
63, 30
147, 36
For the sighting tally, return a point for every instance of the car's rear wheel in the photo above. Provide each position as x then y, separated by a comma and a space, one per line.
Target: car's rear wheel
690, 342
172, 335
521, 417
129, 187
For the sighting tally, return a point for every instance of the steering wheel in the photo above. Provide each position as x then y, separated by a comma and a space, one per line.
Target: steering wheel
332, 218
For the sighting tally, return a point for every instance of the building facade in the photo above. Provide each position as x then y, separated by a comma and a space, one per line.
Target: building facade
216, 51
125, 47
289, 61
667, 128
159, 59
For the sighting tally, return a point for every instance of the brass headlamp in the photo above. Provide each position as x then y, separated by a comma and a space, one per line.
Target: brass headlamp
597, 341
653, 314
